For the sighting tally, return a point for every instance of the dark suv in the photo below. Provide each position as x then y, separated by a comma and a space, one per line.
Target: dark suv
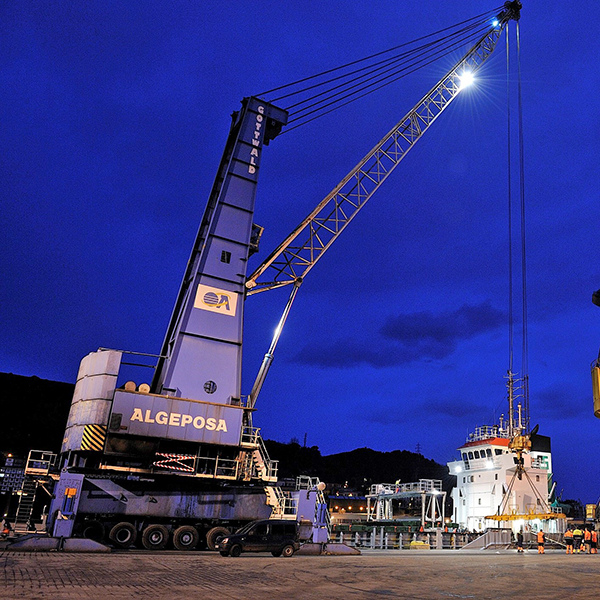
279, 537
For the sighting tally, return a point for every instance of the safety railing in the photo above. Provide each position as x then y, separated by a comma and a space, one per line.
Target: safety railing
250, 437
423, 485
379, 538
283, 504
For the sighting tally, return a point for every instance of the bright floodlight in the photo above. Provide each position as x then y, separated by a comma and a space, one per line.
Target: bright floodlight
466, 79
495, 23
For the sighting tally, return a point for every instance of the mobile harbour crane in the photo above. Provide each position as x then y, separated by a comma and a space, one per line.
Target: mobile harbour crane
180, 460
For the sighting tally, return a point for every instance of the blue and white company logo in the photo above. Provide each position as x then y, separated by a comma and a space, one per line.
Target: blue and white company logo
216, 300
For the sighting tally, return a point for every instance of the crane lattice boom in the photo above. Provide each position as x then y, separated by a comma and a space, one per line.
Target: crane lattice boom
301, 250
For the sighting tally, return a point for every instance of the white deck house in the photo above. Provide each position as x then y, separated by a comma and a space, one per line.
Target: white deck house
485, 474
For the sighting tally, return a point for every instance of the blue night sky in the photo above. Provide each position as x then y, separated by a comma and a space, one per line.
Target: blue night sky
115, 115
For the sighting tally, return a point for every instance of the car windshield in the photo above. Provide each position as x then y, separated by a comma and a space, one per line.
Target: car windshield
246, 527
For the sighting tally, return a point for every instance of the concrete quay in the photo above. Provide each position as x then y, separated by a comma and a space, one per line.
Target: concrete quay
374, 574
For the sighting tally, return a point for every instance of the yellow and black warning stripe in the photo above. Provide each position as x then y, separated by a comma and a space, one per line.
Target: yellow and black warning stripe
93, 437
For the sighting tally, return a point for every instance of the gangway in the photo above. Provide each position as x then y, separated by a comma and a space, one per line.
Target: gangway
425, 493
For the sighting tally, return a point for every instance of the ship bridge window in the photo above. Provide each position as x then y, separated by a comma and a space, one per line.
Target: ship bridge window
489, 452
498, 451
471, 455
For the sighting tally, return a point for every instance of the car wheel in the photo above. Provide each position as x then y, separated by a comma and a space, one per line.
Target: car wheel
185, 537
155, 537
235, 551
123, 535
215, 535
288, 551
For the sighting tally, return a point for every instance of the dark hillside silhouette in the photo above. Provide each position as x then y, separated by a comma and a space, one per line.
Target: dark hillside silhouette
34, 414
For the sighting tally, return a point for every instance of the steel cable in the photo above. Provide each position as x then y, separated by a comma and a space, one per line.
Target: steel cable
525, 357
390, 78
485, 15
369, 90
344, 88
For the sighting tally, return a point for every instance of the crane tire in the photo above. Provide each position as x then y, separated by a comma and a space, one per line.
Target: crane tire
92, 530
123, 535
185, 538
155, 537
214, 536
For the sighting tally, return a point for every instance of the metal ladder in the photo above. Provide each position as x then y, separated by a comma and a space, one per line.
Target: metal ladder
258, 461
38, 466
25, 507
282, 505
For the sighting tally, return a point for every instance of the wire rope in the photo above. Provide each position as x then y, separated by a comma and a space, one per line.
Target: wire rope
524, 371
318, 98
405, 70
380, 66
353, 99
487, 14
525, 357
510, 234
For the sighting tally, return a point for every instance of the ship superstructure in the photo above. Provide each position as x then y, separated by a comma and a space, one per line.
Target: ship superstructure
488, 482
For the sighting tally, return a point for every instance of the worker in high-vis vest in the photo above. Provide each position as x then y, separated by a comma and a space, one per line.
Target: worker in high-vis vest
577, 537
587, 538
569, 540
594, 544
541, 540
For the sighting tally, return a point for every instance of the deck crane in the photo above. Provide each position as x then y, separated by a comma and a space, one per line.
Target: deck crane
179, 459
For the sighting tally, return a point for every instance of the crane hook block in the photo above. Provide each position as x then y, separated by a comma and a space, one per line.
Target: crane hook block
512, 10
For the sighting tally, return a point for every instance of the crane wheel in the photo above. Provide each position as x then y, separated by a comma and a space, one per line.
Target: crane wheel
155, 537
92, 530
123, 534
185, 537
215, 535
